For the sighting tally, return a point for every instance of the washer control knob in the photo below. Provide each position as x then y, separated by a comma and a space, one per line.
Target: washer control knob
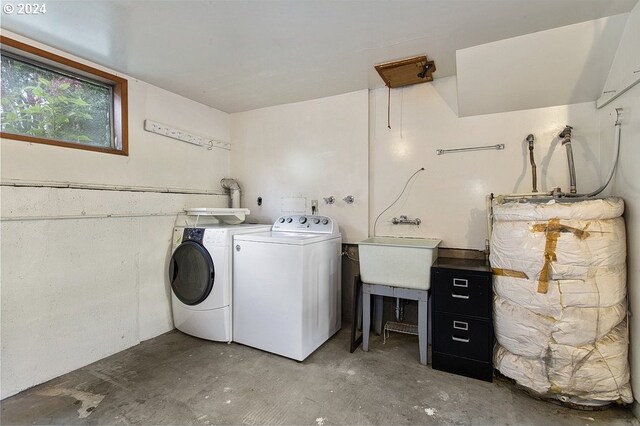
303, 219
325, 221
289, 220
316, 221
281, 220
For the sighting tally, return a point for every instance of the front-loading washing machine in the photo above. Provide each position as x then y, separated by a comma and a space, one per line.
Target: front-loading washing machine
200, 274
287, 286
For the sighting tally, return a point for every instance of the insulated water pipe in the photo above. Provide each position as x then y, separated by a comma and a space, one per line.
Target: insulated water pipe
566, 141
234, 190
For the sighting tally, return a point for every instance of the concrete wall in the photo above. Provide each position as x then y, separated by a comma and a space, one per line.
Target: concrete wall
449, 196
292, 154
83, 270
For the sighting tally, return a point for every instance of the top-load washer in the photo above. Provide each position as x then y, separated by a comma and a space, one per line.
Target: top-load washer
200, 274
287, 286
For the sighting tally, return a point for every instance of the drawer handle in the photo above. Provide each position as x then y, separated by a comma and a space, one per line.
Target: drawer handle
459, 282
461, 325
460, 339
460, 296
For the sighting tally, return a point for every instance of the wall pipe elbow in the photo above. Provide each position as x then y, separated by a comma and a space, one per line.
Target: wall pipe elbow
234, 190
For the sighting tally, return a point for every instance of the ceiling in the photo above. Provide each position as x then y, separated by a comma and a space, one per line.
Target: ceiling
242, 55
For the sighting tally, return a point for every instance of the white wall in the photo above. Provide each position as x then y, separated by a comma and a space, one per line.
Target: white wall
626, 181
560, 66
626, 184
449, 196
84, 271
307, 150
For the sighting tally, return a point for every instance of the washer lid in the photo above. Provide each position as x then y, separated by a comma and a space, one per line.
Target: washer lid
278, 237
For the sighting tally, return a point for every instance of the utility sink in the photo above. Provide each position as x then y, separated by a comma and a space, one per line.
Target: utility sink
398, 262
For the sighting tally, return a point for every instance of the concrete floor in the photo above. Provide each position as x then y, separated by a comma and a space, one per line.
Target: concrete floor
178, 379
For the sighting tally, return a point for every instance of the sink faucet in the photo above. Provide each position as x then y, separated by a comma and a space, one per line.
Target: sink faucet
405, 221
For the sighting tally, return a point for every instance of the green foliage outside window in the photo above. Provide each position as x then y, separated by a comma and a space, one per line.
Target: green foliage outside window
48, 104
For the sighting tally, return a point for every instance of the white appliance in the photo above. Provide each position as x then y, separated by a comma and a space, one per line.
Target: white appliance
200, 274
287, 286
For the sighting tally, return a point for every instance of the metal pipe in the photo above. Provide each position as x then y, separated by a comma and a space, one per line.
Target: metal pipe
472, 148
406, 221
566, 141
534, 175
488, 204
616, 155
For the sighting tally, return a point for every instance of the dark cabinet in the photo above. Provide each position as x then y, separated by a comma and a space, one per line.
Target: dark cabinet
462, 318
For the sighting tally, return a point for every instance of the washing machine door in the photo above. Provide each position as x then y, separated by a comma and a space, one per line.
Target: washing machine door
191, 273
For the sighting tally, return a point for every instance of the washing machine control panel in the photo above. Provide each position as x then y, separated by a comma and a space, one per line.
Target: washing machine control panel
306, 223
193, 234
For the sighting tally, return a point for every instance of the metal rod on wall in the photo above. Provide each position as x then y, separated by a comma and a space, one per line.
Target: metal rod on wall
473, 148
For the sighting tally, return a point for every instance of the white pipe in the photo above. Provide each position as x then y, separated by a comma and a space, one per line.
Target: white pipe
87, 216
234, 190
99, 187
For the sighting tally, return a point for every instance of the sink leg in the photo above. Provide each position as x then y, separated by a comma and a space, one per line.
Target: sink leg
377, 314
423, 314
366, 319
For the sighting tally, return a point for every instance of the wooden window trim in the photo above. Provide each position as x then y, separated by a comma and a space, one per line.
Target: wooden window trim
120, 96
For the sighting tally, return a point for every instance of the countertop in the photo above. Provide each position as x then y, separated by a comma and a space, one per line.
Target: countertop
458, 263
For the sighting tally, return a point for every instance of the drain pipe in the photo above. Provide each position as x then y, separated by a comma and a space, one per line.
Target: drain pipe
566, 142
234, 190
534, 175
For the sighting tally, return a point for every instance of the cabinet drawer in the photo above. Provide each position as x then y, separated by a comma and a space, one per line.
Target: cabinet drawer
462, 293
463, 366
462, 336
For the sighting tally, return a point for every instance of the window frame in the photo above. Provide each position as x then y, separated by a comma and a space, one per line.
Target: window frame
61, 64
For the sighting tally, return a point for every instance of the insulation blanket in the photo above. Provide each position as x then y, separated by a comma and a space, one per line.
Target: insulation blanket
598, 287
523, 332
597, 371
560, 298
606, 208
578, 246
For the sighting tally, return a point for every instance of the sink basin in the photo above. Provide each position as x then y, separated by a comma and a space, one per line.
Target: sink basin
398, 262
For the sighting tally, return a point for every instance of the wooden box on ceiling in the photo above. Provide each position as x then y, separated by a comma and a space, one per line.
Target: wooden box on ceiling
406, 71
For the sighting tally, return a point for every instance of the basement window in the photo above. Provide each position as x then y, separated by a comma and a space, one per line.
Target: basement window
52, 100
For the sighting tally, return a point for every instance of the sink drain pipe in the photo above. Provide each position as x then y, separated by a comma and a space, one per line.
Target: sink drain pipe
234, 191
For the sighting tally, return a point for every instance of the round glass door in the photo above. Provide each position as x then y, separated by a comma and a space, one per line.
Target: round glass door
191, 273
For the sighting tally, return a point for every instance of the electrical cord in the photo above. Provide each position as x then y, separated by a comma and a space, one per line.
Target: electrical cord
396, 200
